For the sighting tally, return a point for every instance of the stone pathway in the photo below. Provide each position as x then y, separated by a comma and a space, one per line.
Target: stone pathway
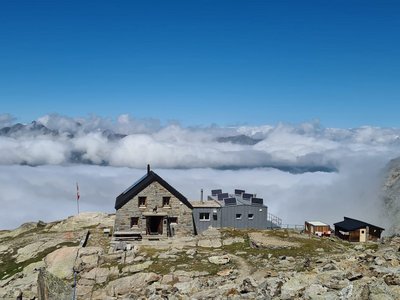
243, 267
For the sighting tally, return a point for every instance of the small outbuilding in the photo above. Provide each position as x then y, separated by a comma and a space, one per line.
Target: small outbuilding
317, 228
353, 230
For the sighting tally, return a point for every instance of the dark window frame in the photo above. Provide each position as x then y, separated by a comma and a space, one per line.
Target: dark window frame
173, 220
142, 201
134, 221
166, 201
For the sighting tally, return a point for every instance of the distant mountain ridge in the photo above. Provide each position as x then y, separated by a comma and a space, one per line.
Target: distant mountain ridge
54, 139
239, 139
36, 129
33, 128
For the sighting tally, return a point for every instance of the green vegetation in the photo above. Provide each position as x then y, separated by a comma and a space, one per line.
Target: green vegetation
308, 246
183, 262
370, 246
10, 267
278, 243
40, 227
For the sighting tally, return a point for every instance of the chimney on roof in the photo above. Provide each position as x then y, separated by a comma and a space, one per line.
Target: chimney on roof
201, 195
148, 168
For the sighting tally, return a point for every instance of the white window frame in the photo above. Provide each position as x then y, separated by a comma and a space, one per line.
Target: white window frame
250, 216
205, 215
238, 216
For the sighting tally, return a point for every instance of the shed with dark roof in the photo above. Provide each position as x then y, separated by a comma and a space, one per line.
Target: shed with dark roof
357, 231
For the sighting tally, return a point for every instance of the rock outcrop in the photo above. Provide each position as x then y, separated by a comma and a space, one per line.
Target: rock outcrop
391, 195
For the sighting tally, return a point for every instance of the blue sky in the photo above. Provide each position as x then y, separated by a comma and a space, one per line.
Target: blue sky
202, 62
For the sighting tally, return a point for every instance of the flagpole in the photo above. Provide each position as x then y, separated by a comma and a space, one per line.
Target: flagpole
77, 196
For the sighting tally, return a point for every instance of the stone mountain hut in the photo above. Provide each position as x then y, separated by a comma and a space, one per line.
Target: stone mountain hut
153, 209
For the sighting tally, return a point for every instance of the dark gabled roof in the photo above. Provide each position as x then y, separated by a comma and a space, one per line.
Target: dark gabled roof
144, 182
353, 224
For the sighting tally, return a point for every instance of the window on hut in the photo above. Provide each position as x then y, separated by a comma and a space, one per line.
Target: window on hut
134, 221
204, 216
238, 216
166, 201
251, 216
142, 201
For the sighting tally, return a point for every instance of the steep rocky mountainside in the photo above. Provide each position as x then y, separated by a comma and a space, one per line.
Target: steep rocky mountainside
37, 261
391, 194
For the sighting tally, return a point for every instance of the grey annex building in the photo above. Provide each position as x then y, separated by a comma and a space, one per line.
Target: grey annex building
151, 208
237, 210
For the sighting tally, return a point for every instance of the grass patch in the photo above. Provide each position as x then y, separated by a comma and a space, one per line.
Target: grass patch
307, 247
234, 233
183, 262
370, 246
279, 233
38, 229
149, 251
40, 226
9, 267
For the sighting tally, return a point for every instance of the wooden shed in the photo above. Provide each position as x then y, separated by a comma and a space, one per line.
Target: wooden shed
317, 228
353, 230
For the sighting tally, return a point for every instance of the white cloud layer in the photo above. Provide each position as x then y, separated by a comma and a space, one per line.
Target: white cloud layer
49, 192
127, 142
106, 156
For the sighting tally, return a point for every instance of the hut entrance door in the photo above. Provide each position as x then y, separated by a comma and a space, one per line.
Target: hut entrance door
154, 225
363, 235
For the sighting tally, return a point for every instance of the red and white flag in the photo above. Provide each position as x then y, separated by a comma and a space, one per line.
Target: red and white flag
77, 192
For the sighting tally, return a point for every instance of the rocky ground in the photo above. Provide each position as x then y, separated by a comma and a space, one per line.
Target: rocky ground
37, 262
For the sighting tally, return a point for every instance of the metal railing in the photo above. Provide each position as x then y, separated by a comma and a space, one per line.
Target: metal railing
275, 221
293, 226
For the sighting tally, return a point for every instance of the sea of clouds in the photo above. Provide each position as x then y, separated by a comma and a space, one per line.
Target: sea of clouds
303, 171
